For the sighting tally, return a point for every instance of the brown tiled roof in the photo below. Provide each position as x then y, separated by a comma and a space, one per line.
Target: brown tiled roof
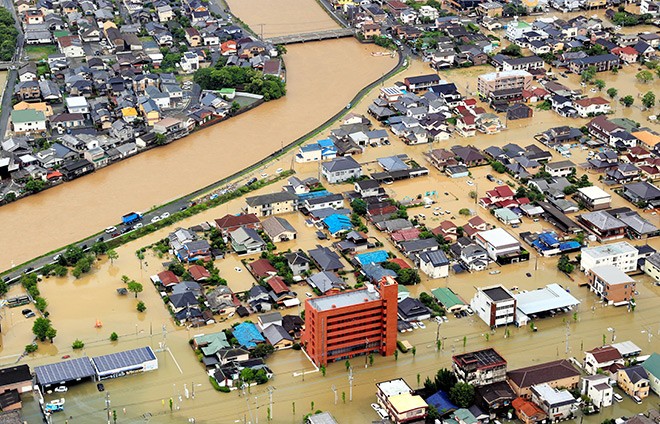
542, 373
605, 354
229, 221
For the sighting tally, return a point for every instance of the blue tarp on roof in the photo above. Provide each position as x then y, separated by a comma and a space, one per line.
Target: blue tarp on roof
326, 142
569, 245
337, 223
376, 257
313, 195
548, 239
376, 272
441, 402
248, 335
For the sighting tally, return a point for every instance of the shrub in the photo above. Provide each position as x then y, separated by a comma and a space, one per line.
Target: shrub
114, 337
141, 307
32, 347
78, 344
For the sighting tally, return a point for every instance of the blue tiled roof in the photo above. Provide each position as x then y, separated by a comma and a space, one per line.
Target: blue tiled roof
337, 223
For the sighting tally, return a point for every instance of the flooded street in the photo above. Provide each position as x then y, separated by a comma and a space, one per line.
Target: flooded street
322, 78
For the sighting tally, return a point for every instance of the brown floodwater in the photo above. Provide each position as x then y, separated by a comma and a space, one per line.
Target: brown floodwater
274, 18
322, 78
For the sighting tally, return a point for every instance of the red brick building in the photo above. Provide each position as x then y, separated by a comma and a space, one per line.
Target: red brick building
352, 323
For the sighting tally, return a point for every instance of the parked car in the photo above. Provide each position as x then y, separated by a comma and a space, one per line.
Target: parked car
637, 400
27, 313
155, 219
100, 387
165, 215
61, 389
445, 319
110, 230
421, 325
617, 397
490, 178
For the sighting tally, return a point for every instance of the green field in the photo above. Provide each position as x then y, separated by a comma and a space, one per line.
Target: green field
40, 52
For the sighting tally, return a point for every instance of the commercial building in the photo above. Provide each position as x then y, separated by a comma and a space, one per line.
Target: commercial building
560, 373
399, 402
479, 368
548, 300
622, 255
495, 305
352, 323
612, 284
65, 372
120, 364
594, 198
493, 82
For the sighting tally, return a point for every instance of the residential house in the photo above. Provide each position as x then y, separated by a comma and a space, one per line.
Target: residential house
560, 373
591, 106
396, 397
652, 367
479, 368
298, 262
612, 284
434, 264
229, 223
558, 404
279, 229
598, 388
562, 168
28, 121
634, 381
622, 255
603, 359
246, 241
603, 62
271, 204
594, 198
326, 259
341, 169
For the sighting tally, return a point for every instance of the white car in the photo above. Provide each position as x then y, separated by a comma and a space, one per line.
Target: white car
279, 170
264, 175
438, 320
617, 397
231, 314
138, 225
414, 325
421, 325
308, 294
470, 182
165, 215
110, 230
61, 389
155, 219
238, 269
445, 319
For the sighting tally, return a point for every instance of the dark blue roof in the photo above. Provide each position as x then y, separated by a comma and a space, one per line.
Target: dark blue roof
440, 400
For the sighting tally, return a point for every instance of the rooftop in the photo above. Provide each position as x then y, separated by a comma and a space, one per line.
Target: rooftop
119, 360
342, 300
493, 76
607, 250
498, 293
407, 402
611, 274
485, 358
394, 387
497, 237
552, 296
543, 373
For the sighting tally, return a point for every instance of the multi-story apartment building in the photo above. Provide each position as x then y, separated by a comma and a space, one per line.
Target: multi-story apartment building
495, 305
612, 284
479, 368
506, 80
622, 255
352, 323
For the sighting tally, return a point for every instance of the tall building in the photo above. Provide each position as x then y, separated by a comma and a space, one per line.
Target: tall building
622, 255
480, 368
495, 305
497, 83
352, 323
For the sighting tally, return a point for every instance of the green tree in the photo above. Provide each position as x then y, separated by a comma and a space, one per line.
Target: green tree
644, 76
589, 74
71, 255
4, 288
414, 351
41, 303
262, 350
612, 92
141, 307
40, 328
112, 255
323, 370
627, 101
99, 248
114, 337
648, 100
464, 212
32, 347
564, 264
408, 276
432, 415
396, 355
34, 185
600, 84
347, 364
462, 394
160, 139
445, 379
512, 50
371, 359
359, 207
135, 287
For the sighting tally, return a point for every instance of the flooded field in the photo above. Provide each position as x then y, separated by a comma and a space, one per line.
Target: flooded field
274, 18
322, 78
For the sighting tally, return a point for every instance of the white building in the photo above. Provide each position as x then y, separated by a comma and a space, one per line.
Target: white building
429, 12
126, 362
495, 305
595, 198
591, 106
562, 168
77, 104
434, 264
598, 388
497, 242
622, 255
652, 267
557, 404
189, 62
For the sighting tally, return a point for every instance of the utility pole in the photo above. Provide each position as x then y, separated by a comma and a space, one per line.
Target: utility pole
107, 405
350, 384
437, 336
568, 333
270, 400
334, 390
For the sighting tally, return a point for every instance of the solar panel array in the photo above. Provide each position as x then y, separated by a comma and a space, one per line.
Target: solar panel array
69, 370
127, 358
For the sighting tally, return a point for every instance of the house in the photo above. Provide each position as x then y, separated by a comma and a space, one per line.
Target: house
17, 378
434, 264
528, 412
189, 62
271, 204
634, 381
259, 299
298, 263
397, 398
642, 193
598, 388
229, 223
612, 284
519, 111
278, 337
562, 168
499, 244
247, 335
594, 198
557, 403
651, 266
278, 229
246, 241
421, 82
326, 259
28, 121
605, 358
198, 273
411, 309
652, 367
495, 305
71, 46
627, 54
480, 368
559, 373
327, 282
341, 169
591, 106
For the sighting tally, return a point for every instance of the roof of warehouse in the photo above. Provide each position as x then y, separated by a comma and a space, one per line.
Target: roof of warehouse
552, 296
123, 359
68, 370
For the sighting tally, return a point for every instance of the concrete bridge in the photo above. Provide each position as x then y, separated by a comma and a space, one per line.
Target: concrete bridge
312, 36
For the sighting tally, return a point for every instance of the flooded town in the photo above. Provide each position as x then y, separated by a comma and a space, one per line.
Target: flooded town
294, 211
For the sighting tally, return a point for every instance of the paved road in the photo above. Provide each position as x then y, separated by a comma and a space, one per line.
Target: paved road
12, 75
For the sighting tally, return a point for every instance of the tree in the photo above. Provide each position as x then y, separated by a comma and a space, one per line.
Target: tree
648, 100
627, 101
34, 185
600, 84
347, 364
323, 370
141, 307
445, 379
396, 355
112, 255
135, 287
114, 337
432, 415
71, 256
512, 50
371, 359
42, 328
498, 167
464, 212
644, 76
32, 347
414, 351
41, 303
589, 74
564, 264
570, 189
462, 394
99, 248
408, 276
612, 92
78, 344
262, 351
359, 207
4, 288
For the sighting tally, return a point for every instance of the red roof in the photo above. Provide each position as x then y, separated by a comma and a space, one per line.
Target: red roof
405, 235
591, 101
528, 409
476, 221
470, 102
168, 278
605, 354
198, 272
262, 268
229, 221
403, 264
504, 191
53, 174
278, 285
628, 50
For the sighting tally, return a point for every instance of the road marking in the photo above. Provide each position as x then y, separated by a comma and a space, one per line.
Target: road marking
175, 361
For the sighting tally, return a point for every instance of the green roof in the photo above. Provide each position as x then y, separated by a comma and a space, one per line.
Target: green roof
447, 297
652, 365
27, 115
227, 91
403, 289
214, 342
61, 33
